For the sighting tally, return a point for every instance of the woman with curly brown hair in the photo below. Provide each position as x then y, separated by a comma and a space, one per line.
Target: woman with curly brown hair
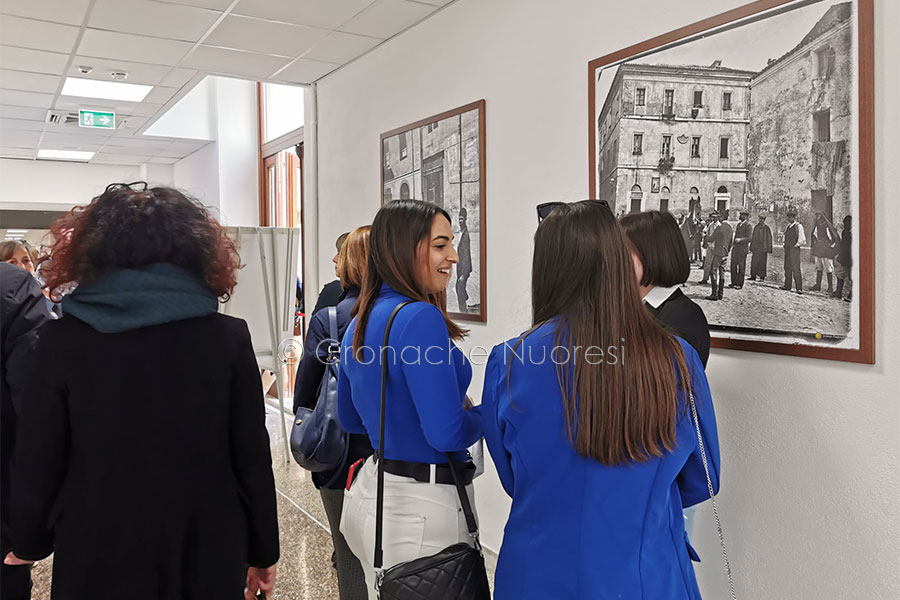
143, 459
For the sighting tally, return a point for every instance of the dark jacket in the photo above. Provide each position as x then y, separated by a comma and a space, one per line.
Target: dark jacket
21, 314
845, 251
329, 296
143, 462
742, 234
721, 239
762, 239
685, 319
309, 375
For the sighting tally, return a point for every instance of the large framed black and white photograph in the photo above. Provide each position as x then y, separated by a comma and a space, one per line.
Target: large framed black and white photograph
760, 119
441, 159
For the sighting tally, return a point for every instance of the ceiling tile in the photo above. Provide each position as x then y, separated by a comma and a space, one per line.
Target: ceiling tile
72, 134
267, 37
387, 17
140, 73
130, 47
327, 14
38, 35
185, 147
22, 59
7, 152
58, 11
305, 71
20, 139
105, 158
75, 145
129, 151
146, 109
21, 125
178, 77
160, 94
340, 47
164, 160
142, 17
212, 4
23, 112
30, 82
234, 62
129, 125
127, 145
436, 2
18, 98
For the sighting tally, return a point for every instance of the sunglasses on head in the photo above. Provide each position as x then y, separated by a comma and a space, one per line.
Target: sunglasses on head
544, 210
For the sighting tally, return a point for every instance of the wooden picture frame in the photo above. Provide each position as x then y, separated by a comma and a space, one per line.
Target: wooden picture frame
414, 159
662, 85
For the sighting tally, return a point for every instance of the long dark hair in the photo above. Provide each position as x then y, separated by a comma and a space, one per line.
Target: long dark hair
397, 253
583, 275
130, 226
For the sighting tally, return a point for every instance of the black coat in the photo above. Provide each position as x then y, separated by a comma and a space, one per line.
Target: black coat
22, 312
685, 318
143, 462
329, 296
309, 375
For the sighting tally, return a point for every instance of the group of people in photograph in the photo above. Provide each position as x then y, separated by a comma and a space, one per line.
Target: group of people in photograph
141, 450
715, 243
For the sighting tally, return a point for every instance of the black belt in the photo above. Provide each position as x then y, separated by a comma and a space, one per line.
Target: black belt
422, 471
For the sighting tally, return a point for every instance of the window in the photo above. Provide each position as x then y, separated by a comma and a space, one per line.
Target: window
404, 191
636, 196
431, 127
669, 102
640, 96
822, 126
283, 110
638, 144
723, 147
666, 149
824, 59
403, 150
387, 159
698, 99
695, 147
726, 100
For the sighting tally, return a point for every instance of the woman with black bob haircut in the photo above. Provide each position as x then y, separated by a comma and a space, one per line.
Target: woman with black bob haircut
664, 266
411, 257
587, 416
143, 459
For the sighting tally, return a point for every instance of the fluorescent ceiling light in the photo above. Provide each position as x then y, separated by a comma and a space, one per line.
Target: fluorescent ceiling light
107, 90
15, 231
66, 154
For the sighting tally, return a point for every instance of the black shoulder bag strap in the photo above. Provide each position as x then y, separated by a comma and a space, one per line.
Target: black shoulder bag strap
379, 506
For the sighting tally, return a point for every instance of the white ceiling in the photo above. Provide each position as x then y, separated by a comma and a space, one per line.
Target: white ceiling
170, 45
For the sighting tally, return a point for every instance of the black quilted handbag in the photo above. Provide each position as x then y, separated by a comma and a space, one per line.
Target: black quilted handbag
456, 572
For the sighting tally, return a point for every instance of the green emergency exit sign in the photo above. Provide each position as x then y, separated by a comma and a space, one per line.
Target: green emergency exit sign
96, 119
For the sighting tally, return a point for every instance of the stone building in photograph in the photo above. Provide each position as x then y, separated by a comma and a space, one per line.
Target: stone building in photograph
675, 138
802, 124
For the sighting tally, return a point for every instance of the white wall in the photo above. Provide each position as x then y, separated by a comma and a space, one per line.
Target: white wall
811, 484
198, 175
225, 174
56, 185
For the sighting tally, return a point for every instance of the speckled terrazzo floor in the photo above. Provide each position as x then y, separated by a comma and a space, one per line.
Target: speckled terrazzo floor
304, 571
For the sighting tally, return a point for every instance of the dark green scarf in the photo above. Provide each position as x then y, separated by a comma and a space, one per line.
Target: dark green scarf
132, 298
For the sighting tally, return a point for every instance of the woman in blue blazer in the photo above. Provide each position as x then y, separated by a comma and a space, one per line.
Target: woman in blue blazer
411, 257
587, 418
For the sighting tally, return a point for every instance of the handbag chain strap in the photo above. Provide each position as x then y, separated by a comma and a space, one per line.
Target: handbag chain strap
712, 497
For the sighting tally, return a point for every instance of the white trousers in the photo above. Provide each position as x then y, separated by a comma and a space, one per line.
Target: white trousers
420, 519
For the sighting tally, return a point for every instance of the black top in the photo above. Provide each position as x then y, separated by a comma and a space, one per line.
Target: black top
22, 312
329, 296
845, 252
309, 375
143, 456
683, 317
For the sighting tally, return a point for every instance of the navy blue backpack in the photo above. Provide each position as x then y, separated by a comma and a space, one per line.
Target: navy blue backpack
317, 441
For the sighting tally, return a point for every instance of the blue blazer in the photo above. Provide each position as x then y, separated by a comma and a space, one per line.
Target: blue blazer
427, 381
578, 529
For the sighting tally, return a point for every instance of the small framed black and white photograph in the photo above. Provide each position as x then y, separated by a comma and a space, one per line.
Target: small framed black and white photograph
761, 120
441, 159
